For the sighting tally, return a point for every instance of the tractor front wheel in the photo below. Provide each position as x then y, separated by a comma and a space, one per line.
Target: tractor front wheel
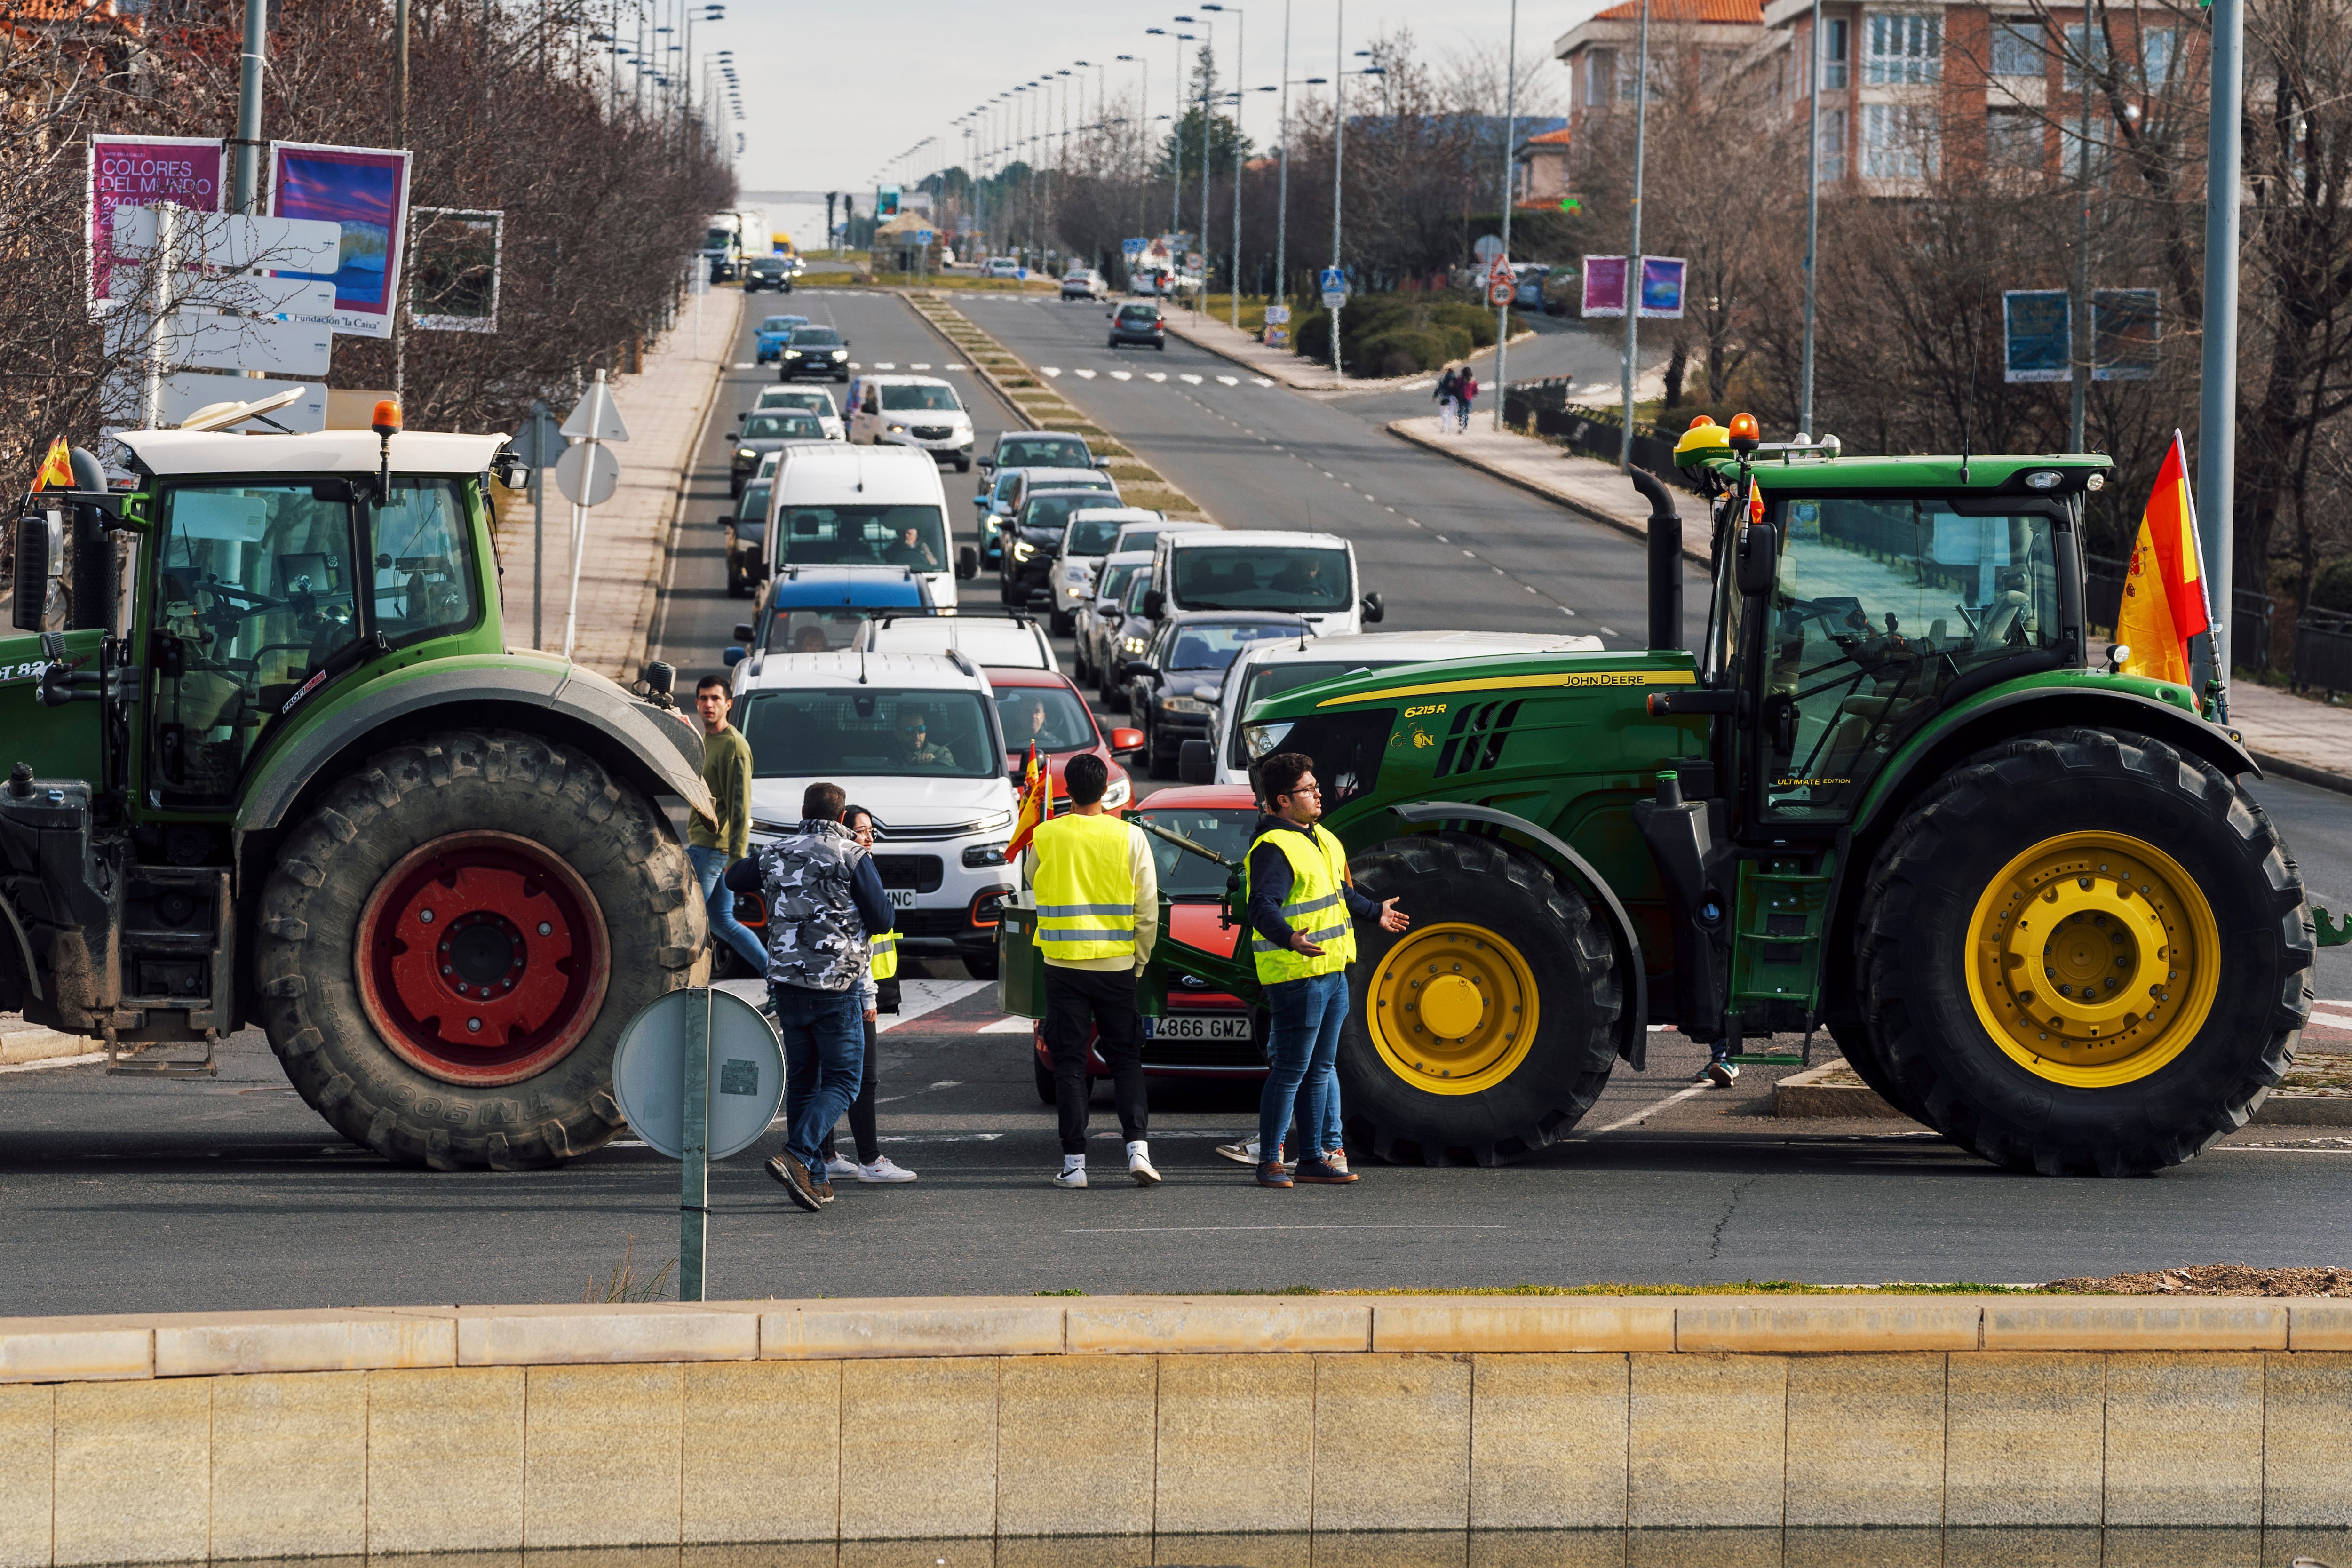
1487, 1030
451, 942
2084, 951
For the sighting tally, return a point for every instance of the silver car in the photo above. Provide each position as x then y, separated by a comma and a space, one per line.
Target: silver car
1098, 620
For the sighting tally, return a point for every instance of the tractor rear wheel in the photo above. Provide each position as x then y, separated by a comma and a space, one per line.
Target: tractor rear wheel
2084, 951
1487, 1030
451, 942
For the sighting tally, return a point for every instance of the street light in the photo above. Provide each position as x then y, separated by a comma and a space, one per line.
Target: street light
1241, 46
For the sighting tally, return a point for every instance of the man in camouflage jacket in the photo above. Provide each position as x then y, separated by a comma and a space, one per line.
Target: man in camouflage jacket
825, 903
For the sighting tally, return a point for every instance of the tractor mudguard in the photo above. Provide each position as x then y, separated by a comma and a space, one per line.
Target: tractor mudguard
2042, 703
1634, 1047
657, 750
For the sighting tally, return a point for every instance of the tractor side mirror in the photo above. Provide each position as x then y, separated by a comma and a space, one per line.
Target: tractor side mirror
1374, 609
967, 563
40, 562
1760, 558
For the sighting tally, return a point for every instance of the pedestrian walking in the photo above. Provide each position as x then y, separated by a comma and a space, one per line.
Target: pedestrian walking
1466, 394
727, 770
871, 1165
1303, 906
1449, 386
1097, 918
825, 904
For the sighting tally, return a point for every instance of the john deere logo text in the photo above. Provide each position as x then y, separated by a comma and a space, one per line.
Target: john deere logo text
1614, 680
1424, 710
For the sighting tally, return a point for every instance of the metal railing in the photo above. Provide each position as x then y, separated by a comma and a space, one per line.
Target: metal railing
2323, 651
1543, 406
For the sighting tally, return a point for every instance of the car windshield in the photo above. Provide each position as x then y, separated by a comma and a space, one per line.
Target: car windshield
783, 323
1184, 875
862, 536
785, 425
865, 732
815, 338
1211, 644
1090, 536
1115, 581
1136, 539
1038, 452
810, 400
1261, 578
1137, 586
1051, 513
919, 396
820, 628
1051, 716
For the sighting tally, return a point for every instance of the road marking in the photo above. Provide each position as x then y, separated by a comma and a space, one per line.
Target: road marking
955, 367
2331, 1020
1647, 1111
1563, 609
919, 365
1260, 381
1607, 631
1086, 375
917, 997
1122, 375
1051, 369
1228, 381
745, 364
1155, 376
44, 1065
1196, 1229
886, 365
1008, 1027
1188, 378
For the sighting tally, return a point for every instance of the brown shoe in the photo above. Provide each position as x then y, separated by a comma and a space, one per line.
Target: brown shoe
1271, 1173
795, 1179
1324, 1172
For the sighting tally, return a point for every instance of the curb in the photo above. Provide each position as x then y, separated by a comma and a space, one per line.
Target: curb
1808, 1095
32, 1042
650, 606
1003, 394
2302, 772
1400, 429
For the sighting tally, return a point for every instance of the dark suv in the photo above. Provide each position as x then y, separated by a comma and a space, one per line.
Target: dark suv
1139, 323
768, 272
1033, 540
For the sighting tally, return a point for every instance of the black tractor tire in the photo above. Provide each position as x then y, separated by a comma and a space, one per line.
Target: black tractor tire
1449, 879
1043, 1077
307, 962
1914, 921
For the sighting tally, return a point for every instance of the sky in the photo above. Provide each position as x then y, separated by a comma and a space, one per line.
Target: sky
833, 92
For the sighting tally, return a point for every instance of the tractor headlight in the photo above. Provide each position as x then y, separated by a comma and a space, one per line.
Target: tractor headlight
1264, 740
2044, 480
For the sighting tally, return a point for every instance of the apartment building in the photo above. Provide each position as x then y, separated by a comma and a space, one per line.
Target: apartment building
1700, 41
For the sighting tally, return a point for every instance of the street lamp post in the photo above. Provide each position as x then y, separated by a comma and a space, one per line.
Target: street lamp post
1339, 151
1241, 46
2217, 398
1812, 218
1510, 132
1634, 251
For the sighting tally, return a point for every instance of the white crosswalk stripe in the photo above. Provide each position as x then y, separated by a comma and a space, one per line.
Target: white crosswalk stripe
886, 365
1229, 381
1122, 375
1051, 369
1188, 379
1086, 375
1261, 381
1155, 376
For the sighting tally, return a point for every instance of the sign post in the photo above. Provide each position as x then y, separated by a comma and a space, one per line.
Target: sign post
538, 445
587, 474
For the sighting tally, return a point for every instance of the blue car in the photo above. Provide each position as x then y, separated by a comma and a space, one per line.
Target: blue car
818, 609
772, 332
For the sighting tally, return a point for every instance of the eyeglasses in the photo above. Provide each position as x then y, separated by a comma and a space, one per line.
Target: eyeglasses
916, 729
1315, 790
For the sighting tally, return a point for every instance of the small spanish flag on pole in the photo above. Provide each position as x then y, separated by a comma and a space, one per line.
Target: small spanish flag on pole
1036, 803
2164, 593
57, 468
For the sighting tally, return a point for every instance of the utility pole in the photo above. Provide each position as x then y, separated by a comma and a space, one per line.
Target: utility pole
1340, 149
1633, 251
1241, 45
1282, 193
2217, 412
399, 139
2079, 373
1208, 85
1510, 134
247, 191
1812, 219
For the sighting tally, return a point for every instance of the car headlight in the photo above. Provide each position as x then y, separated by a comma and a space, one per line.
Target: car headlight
1131, 645
792, 353
841, 354
1115, 796
1022, 550
898, 429
1076, 591
1264, 739
746, 451
981, 855
1184, 705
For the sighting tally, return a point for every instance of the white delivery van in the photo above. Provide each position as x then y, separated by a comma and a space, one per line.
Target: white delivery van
835, 504
1311, 575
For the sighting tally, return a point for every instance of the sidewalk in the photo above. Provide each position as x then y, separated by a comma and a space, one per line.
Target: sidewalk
1584, 485
1287, 369
2293, 738
628, 536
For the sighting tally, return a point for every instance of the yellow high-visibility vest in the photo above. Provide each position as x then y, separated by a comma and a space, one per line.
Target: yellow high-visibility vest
886, 955
1316, 908
1086, 888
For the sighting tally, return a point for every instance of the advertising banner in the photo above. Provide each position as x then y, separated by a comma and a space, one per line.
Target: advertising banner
2123, 334
365, 190
2037, 328
143, 172
454, 274
1661, 288
1604, 286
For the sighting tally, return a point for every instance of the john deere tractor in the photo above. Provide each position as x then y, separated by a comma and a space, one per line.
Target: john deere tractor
273, 763
1890, 793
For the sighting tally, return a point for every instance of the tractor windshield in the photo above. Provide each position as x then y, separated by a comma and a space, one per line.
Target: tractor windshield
1879, 606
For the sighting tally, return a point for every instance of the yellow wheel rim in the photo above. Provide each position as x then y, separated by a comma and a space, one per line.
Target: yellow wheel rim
2094, 959
1452, 1009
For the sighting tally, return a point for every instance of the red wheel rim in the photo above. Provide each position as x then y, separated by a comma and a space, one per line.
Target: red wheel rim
482, 958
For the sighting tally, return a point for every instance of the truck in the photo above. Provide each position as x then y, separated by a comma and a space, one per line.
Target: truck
1890, 793
272, 761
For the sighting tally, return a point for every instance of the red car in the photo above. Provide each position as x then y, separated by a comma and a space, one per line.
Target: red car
1206, 1033
1041, 705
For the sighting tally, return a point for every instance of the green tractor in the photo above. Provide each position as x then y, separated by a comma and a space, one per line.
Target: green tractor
1890, 793
273, 763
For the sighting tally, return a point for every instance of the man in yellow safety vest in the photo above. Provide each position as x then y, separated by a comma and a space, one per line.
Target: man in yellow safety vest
1303, 906
1097, 916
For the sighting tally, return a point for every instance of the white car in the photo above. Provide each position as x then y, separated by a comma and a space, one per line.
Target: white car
1086, 538
1267, 670
920, 411
810, 399
1310, 575
1083, 283
1143, 535
915, 740
1008, 642
1096, 632
1001, 267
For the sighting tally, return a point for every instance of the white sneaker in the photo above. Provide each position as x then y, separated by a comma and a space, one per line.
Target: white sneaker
1077, 1178
840, 1168
1241, 1151
1722, 1074
882, 1170
1140, 1167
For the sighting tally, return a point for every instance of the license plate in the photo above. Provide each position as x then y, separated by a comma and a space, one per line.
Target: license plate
1198, 1027
902, 898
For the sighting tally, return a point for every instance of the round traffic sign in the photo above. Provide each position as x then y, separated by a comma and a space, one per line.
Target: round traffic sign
1488, 247
587, 475
1498, 292
747, 1072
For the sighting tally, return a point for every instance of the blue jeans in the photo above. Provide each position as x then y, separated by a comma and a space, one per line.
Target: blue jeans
709, 865
1302, 1050
824, 1062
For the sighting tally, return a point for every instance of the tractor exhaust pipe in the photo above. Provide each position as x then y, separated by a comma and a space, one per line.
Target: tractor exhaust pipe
1666, 561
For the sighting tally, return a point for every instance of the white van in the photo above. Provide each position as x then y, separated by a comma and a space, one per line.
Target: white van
1267, 670
842, 505
914, 739
1311, 575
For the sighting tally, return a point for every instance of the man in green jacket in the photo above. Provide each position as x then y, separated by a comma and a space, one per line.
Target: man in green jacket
726, 769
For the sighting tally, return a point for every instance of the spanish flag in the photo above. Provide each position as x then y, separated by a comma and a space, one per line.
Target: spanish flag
1036, 803
2164, 593
57, 468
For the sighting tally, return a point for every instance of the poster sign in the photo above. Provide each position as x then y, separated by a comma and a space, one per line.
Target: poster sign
365, 190
454, 272
143, 172
1661, 287
1604, 286
2123, 334
2037, 326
